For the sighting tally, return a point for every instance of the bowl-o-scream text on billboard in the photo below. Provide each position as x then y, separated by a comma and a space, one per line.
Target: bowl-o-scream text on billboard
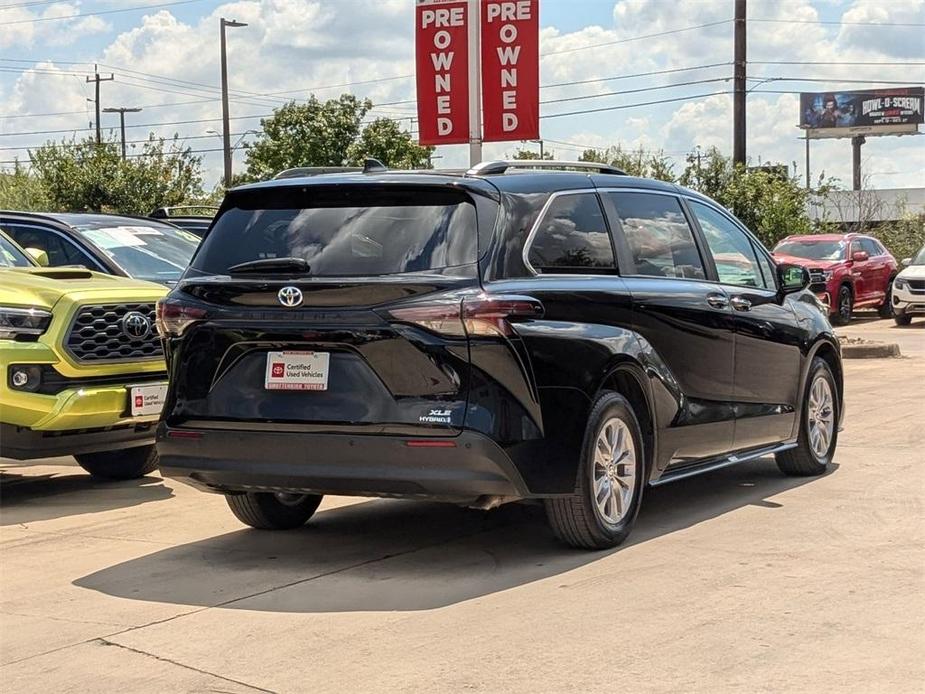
510, 70
442, 60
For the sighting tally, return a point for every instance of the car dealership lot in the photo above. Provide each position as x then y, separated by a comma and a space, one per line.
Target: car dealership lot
741, 579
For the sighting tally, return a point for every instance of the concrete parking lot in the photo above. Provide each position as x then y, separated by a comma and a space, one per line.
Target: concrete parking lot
741, 580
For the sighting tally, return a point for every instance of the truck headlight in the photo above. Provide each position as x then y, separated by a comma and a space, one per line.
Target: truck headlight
23, 323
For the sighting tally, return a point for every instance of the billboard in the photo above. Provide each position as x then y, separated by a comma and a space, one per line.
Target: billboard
510, 52
441, 42
865, 112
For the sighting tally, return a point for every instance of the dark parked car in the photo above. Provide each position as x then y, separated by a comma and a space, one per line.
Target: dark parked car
134, 247
194, 218
847, 271
485, 337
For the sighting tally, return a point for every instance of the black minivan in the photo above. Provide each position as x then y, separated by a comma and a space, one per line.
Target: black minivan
529, 330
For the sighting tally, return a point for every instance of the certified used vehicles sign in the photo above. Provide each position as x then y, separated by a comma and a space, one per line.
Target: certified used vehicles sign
297, 371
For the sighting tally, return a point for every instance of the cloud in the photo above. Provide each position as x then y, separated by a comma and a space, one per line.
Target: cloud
59, 25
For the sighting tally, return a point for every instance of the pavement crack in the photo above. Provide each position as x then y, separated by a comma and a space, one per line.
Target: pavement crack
107, 642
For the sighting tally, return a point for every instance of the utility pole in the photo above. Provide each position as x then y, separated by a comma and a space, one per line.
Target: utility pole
807, 162
97, 78
122, 111
226, 132
738, 97
856, 143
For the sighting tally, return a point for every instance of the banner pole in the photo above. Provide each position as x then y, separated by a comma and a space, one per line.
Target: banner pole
475, 83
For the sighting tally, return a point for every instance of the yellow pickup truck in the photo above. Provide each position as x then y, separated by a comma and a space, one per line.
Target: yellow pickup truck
82, 368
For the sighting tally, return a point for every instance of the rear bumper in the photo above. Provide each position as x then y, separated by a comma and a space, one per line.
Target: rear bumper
365, 465
23, 443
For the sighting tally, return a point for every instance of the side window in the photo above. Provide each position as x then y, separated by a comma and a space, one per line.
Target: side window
59, 250
767, 269
572, 237
735, 259
659, 238
872, 247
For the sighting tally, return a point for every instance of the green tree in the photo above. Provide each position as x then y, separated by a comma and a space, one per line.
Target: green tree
86, 176
523, 154
21, 190
771, 205
314, 133
638, 162
384, 140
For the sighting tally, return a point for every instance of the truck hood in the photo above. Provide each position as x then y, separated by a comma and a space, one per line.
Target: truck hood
913, 272
807, 262
43, 287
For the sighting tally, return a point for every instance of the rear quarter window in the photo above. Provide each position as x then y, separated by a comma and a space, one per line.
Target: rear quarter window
345, 230
572, 237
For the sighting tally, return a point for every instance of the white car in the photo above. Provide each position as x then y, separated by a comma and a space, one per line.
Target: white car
909, 289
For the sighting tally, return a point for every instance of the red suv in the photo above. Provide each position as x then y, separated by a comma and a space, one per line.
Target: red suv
846, 271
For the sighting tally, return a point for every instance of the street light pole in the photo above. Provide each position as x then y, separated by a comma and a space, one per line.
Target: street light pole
122, 111
226, 133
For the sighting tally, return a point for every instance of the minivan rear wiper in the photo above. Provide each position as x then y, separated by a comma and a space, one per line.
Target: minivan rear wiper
271, 265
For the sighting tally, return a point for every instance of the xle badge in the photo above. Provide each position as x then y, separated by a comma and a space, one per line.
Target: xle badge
435, 417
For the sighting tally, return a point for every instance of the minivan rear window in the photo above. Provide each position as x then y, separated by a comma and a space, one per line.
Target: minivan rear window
345, 230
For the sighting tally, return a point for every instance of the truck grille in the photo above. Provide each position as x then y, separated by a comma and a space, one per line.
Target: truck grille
114, 332
816, 276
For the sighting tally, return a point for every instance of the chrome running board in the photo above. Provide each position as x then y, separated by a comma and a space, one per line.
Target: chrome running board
700, 468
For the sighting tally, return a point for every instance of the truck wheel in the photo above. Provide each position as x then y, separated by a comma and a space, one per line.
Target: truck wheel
902, 318
844, 305
273, 511
126, 464
818, 427
886, 308
611, 476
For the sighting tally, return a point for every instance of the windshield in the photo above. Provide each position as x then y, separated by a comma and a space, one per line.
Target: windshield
812, 250
157, 253
919, 258
11, 256
345, 232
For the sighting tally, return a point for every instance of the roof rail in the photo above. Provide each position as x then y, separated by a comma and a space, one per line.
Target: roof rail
490, 168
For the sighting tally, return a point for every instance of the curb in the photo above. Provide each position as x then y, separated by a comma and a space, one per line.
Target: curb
880, 350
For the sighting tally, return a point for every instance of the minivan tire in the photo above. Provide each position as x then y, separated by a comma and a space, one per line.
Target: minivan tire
578, 519
802, 461
124, 464
269, 511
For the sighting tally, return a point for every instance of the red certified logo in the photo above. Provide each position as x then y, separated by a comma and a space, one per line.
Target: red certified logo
278, 370
139, 401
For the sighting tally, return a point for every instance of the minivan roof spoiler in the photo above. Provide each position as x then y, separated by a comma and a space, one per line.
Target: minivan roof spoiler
370, 165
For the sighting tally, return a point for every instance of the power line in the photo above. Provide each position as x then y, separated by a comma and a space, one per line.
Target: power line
637, 38
99, 13
836, 22
836, 62
624, 106
634, 91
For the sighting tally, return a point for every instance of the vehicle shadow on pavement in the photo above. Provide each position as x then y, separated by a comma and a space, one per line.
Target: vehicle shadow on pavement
389, 555
30, 498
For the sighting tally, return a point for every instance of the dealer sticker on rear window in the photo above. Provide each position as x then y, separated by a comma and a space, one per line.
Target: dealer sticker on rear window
297, 371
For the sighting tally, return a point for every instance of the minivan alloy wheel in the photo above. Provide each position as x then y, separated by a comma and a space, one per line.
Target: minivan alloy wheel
821, 414
614, 470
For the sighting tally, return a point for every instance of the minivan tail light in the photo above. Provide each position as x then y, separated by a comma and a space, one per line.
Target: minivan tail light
482, 315
175, 315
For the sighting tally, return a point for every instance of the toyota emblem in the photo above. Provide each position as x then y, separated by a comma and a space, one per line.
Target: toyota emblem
290, 296
136, 326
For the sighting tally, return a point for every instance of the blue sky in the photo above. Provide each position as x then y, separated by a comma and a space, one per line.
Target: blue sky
296, 46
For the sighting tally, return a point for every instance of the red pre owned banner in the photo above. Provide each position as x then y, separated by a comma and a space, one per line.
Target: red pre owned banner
510, 70
442, 55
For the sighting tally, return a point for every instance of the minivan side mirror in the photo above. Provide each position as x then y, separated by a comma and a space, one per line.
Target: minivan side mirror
38, 255
792, 278
860, 256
